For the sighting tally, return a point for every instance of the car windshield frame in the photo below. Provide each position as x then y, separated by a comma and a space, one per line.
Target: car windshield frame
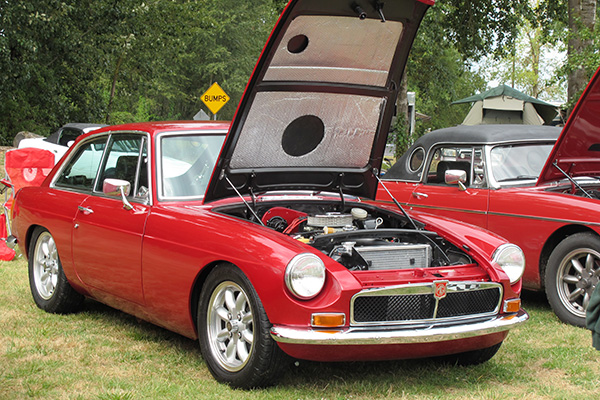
523, 176
165, 194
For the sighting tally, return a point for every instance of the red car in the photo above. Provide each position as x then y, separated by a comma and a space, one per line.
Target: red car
259, 238
514, 181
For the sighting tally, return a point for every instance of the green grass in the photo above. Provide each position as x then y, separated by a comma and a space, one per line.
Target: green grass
101, 353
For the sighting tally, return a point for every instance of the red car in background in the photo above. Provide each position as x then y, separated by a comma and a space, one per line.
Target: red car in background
259, 239
533, 185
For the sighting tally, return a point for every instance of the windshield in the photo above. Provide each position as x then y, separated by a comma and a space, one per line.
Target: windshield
187, 163
523, 162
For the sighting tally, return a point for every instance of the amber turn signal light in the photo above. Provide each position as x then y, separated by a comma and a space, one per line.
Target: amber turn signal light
333, 320
512, 305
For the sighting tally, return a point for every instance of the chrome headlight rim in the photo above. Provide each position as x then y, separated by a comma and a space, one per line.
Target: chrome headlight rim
513, 270
300, 269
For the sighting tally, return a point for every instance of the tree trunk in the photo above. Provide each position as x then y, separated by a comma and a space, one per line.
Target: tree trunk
402, 134
582, 17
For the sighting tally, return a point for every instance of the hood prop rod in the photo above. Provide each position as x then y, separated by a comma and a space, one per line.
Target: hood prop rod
573, 182
244, 200
419, 231
412, 221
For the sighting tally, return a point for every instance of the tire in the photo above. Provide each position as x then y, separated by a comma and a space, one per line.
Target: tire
50, 288
474, 357
572, 273
231, 319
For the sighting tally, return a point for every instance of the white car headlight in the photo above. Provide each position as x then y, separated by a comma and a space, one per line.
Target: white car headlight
305, 276
512, 260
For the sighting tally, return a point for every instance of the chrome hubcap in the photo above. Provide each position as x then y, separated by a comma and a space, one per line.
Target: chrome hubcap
45, 266
230, 326
578, 275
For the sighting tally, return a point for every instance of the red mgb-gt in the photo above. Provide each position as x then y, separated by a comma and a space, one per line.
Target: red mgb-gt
258, 238
514, 181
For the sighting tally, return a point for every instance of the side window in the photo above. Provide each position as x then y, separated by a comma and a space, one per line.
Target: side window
127, 159
82, 169
463, 158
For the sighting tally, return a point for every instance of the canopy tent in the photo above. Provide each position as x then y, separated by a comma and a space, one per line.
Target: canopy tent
505, 105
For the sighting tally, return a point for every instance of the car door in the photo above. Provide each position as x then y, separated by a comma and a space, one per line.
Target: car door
107, 236
468, 203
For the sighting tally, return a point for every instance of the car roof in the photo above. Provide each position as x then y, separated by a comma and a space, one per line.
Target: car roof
471, 135
167, 126
489, 134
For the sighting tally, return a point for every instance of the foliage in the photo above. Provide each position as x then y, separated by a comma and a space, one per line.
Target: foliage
121, 61
438, 74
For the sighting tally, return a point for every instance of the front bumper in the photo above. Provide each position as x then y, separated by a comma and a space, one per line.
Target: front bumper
393, 335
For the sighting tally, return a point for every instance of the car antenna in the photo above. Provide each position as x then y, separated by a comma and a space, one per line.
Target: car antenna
555, 164
244, 200
412, 221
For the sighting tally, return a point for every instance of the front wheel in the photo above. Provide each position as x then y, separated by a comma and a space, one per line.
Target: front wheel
234, 331
50, 288
572, 273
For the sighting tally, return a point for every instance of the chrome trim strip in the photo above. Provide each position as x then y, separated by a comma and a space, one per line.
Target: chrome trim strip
433, 333
425, 288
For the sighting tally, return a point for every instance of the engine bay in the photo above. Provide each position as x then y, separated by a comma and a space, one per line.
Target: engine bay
359, 236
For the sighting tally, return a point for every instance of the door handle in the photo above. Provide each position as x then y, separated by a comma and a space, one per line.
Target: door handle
85, 210
420, 195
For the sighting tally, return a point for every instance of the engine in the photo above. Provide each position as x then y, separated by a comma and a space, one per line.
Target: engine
362, 237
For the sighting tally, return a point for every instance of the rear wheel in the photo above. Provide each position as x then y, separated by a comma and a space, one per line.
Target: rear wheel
572, 273
49, 286
234, 331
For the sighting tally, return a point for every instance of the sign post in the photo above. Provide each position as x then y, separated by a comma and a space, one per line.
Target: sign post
215, 98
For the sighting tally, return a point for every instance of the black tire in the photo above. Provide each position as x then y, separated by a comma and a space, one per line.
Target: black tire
474, 357
50, 288
258, 361
572, 273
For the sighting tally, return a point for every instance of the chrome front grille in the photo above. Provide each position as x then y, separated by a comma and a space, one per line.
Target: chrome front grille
413, 303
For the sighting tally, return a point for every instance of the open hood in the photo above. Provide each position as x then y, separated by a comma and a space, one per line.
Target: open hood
317, 110
577, 151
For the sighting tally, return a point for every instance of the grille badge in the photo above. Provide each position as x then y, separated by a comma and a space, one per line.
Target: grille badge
440, 289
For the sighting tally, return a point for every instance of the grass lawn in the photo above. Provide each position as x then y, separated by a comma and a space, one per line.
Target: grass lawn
101, 353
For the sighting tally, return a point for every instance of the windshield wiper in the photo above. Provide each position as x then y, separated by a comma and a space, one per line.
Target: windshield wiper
518, 178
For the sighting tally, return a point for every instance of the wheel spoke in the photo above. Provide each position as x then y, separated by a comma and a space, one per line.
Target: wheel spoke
573, 280
240, 302
242, 351
248, 336
590, 261
586, 300
222, 336
230, 300
222, 313
230, 352
576, 293
577, 265
247, 318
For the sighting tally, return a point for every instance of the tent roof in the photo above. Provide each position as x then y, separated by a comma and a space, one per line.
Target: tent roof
546, 110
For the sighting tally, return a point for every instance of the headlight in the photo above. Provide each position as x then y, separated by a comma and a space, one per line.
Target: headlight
512, 260
305, 276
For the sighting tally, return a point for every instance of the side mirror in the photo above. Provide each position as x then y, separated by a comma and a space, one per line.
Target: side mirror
118, 188
456, 177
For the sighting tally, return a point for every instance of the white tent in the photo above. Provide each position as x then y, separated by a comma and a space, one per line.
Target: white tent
505, 105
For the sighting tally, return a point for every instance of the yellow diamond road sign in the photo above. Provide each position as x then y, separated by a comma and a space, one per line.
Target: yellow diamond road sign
215, 98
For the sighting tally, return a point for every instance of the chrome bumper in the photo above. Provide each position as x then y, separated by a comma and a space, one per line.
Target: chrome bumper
374, 336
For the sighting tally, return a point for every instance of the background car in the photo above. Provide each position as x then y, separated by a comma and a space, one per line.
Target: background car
514, 181
60, 140
265, 244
